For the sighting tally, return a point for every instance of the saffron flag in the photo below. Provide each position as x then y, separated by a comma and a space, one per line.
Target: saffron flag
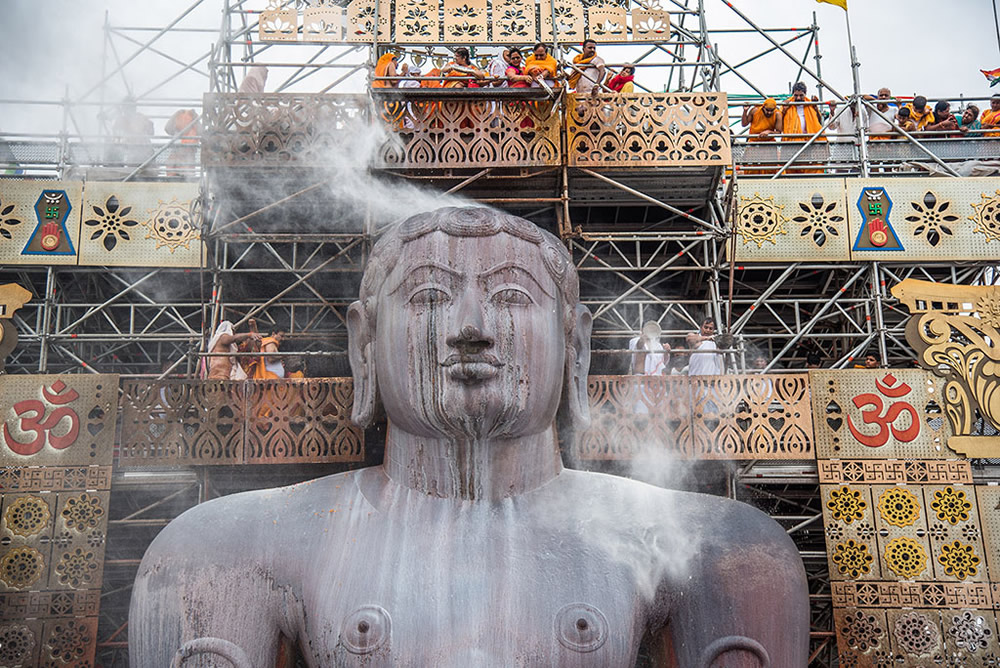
840, 3
993, 76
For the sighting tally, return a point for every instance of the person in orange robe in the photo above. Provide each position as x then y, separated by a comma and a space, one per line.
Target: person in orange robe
385, 67
800, 119
991, 118
765, 125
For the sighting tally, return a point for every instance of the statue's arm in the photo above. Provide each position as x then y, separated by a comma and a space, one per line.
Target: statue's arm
204, 576
746, 590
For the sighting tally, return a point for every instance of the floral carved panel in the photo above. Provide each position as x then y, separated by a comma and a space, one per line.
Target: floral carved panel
648, 130
607, 23
361, 20
466, 21
417, 21
513, 22
323, 24
569, 22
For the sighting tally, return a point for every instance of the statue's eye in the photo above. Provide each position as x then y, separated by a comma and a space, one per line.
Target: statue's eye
429, 296
512, 295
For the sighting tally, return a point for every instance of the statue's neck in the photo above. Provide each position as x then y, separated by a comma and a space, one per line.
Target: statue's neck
473, 470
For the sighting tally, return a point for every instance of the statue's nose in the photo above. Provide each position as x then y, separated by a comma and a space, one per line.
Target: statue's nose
470, 337
470, 340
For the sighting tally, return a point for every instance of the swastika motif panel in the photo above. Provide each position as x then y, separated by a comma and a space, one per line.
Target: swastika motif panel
748, 416
894, 471
141, 225
923, 219
791, 220
39, 221
648, 129
879, 414
58, 438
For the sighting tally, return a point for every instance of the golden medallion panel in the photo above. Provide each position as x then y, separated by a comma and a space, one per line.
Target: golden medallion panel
39, 221
140, 225
897, 219
55, 482
712, 417
466, 20
791, 220
879, 414
648, 130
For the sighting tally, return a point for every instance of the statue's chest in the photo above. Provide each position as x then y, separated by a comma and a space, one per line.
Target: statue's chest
500, 595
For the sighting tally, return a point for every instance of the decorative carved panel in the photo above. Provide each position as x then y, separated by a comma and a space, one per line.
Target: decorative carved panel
292, 421
648, 130
932, 219
278, 25
608, 23
879, 414
513, 22
323, 24
471, 134
650, 25
361, 20
39, 221
141, 225
417, 21
894, 471
719, 417
55, 481
570, 26
182, 422
277, 129
955, 330
791, 220
466, 21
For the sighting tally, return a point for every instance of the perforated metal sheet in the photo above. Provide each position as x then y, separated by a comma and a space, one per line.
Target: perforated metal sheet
570, 25
862, 633
932, 218
23, 227
608, 23
791, 220
417, 21
988, 504
140, 225
848, 542
946, 528
361, 20
279, 25
466, 20
41, 414
835, 412
323, 24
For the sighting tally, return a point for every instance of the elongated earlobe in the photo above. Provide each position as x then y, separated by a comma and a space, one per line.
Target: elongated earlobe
578, 370
359, 352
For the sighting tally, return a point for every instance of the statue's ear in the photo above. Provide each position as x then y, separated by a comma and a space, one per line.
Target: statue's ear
360, 343
578, 369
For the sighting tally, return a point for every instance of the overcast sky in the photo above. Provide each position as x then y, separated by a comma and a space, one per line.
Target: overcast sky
931, 47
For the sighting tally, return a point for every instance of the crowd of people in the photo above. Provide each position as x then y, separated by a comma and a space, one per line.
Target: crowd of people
586, 74
797, 118
258, 360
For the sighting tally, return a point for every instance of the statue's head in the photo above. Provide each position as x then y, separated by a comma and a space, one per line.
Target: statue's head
469, 325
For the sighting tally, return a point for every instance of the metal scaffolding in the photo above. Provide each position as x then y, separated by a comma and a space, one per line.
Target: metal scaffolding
643, 251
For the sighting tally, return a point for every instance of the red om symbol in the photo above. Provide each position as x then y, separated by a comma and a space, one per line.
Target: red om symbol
33, 420
887, 420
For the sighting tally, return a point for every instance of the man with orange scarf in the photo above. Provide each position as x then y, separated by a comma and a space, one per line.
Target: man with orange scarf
801, 118
588, 73
541, 67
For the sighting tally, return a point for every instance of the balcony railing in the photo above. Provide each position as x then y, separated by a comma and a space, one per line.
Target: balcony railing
193, 422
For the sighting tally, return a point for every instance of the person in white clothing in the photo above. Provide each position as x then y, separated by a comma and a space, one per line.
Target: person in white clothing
705, 361
651, 357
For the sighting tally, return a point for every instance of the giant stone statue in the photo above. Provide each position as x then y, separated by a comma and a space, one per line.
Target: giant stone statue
471, 546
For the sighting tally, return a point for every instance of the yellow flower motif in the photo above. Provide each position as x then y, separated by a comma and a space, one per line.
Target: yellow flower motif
847, 504
899, 507
959, 560
951, 505
852, 558
27, 516
905, 557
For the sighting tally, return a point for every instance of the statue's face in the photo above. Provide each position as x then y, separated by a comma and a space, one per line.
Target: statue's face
469, 338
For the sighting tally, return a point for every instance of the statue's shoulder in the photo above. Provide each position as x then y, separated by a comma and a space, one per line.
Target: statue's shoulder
256, 517
631, 501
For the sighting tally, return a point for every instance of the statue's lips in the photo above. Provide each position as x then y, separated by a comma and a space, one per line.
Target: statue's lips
472, 368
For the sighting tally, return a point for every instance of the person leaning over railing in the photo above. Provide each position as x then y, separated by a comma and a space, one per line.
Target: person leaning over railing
944, 120
920, 113
764, 120
623, 81
991, 118
969, 120
904, 119
542, 68
462, 66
